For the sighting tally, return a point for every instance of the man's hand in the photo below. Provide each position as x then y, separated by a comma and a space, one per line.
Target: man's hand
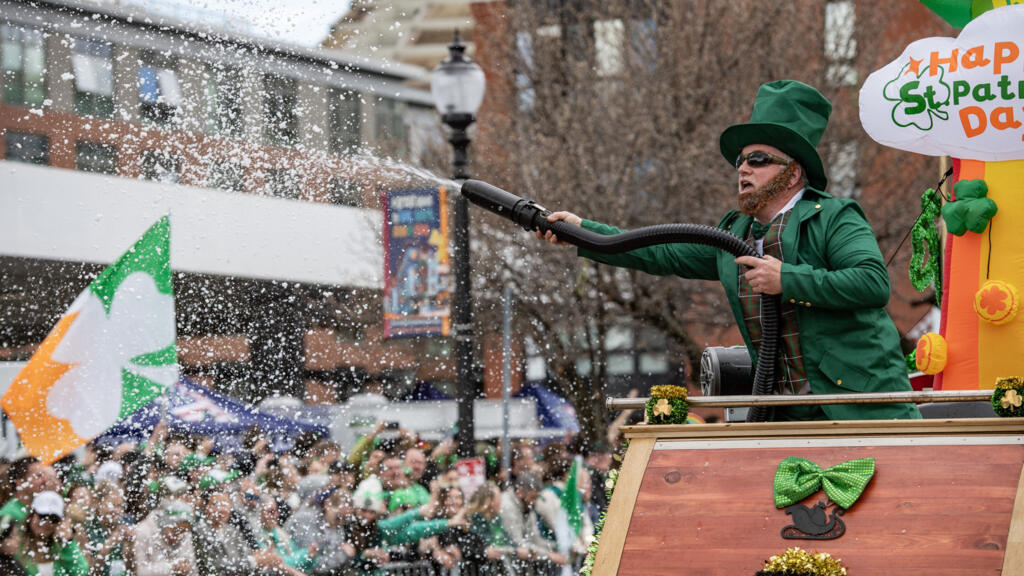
555, 217
765, 274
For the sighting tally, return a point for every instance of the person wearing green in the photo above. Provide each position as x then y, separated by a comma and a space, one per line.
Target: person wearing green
412, 496
42, 549
819, 254
372, 535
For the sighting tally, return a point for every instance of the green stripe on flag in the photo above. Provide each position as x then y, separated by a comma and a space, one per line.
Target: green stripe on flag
168, 355
150, 254
136, 392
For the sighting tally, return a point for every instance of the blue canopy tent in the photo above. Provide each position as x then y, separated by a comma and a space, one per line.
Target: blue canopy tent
195, 409
553, 410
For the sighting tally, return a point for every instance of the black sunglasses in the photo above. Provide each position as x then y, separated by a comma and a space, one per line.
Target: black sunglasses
758, 159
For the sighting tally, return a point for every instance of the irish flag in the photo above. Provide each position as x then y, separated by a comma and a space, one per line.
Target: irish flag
111, 353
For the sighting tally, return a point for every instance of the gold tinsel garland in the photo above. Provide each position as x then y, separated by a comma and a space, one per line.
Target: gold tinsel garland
794, 562
668, 391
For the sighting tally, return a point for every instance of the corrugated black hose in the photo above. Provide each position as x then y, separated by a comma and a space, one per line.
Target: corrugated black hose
532, 216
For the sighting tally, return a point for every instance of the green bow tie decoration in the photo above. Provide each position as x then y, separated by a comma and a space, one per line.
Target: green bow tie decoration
798, 478
758, 230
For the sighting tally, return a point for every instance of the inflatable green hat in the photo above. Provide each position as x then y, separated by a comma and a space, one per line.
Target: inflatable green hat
790, 116
959, 12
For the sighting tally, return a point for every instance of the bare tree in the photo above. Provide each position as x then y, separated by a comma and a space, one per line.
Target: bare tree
613, 110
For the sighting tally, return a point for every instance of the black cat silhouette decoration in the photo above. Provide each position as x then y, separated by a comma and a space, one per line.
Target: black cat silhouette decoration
813, 523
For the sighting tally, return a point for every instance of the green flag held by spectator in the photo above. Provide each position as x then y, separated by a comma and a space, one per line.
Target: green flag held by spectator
572, 503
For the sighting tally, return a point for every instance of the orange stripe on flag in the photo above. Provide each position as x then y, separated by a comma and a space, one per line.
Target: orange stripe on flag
43, 435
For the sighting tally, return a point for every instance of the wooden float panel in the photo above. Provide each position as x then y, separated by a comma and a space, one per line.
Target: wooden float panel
938, 506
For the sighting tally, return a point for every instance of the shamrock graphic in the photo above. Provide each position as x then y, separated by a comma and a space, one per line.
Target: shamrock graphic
111, 355
919, 96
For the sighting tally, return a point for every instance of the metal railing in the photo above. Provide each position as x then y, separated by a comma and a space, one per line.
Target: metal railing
814, 399
504, 567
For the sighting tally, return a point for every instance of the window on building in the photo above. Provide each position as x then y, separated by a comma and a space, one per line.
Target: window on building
224, 100
159, 91
840, 43
95, 157
24, 65
226, 176
619, 346
93, 67
576, 42
161, 166
280, 96
346, 192
644, 44
29, 148
525, 91
608, 37
843, 157
652, 347
346, 121
282, 184
390, 126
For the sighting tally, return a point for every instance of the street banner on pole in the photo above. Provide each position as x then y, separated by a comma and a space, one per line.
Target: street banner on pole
417, 285
111, 353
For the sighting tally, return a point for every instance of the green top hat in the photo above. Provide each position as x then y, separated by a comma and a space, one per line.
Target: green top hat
790, 116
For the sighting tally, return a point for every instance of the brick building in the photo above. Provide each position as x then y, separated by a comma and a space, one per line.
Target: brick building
110, 118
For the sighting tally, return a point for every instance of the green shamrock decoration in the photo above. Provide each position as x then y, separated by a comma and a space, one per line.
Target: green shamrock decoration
971, 210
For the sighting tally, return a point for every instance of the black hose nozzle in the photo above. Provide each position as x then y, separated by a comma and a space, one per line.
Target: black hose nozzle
526, 213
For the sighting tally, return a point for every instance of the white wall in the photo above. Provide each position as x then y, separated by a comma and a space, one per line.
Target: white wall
58, 214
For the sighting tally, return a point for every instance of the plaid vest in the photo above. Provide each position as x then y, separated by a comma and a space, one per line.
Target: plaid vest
791, 377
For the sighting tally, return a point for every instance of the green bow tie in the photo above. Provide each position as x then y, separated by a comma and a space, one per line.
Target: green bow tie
798, 478
758, 230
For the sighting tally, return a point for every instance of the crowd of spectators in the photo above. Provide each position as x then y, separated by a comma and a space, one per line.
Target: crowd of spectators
176, 506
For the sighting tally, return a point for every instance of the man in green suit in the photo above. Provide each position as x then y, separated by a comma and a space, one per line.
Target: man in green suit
819, 253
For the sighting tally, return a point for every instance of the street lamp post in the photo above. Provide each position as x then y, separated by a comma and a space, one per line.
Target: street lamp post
457, 86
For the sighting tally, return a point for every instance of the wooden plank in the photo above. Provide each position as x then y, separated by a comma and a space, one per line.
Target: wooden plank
930, 510
620, 509
1013, 560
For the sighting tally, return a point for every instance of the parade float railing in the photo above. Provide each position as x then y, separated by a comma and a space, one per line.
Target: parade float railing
738, 401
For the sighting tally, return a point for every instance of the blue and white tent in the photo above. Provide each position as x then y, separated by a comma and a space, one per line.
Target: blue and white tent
189, 407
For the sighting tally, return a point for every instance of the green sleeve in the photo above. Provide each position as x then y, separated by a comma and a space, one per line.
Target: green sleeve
686, 260
407, 527
15, 510
856, 276
71, 561
420, 529
389, 527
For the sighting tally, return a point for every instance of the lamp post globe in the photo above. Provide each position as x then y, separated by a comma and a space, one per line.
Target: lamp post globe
457, 86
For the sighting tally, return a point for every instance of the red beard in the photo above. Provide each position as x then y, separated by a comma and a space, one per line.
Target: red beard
752, 202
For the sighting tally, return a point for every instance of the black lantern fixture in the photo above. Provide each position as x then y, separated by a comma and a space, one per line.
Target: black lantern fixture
457, 86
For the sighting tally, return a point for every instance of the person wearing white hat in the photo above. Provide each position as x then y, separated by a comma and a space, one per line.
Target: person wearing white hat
109, 471
45, 550
168, 550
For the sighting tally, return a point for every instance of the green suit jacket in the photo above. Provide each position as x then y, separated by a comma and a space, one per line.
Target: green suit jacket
833, 272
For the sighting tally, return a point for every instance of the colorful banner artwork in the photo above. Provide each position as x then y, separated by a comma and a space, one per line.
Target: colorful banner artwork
417, 285
961, 97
